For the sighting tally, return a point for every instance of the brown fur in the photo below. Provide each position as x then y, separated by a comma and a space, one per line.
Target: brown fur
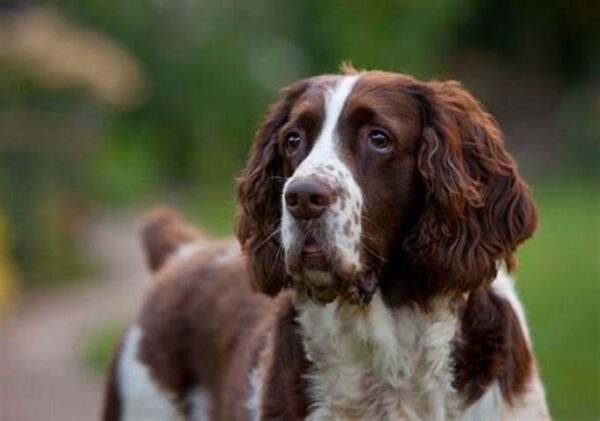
111, 409
476, 208
260, 188
203, 326
462, 208
173, 339
491, 347
285, 361
162, 231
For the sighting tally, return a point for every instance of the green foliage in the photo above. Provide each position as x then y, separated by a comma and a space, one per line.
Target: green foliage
99, 345
43, 217
561, 34
213, 67
123, 164
215, 207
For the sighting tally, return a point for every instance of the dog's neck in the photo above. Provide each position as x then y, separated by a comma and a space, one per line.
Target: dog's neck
365, 357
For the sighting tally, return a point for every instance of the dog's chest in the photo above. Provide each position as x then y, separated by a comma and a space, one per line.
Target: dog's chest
375, 363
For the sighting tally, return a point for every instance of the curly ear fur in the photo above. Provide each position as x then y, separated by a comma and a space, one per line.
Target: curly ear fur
476, 208
259, 190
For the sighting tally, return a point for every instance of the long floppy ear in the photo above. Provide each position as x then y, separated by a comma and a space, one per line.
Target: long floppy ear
477, 209
259, 190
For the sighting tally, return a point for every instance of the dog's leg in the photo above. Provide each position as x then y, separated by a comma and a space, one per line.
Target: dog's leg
139, 396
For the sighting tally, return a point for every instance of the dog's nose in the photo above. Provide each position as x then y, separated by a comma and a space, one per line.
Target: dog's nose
308, 198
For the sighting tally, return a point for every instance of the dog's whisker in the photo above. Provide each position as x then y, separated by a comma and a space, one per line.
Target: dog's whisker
269, 237
376, 226
372, 253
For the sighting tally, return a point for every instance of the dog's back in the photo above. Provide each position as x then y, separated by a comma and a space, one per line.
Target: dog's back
176, 360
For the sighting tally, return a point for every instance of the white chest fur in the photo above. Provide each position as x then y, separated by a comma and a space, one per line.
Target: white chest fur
378, 363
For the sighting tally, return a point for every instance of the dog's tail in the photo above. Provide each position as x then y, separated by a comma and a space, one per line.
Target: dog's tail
163, 232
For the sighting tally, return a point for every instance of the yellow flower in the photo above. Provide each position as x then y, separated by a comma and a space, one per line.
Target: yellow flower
7, 269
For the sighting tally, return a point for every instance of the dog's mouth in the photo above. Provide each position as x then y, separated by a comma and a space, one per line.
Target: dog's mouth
313, 256
319, 271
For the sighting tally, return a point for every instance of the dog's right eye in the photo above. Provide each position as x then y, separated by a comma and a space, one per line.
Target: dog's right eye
292, 141
380, 141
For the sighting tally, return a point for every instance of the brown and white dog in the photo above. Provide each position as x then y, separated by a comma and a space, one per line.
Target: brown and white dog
377, 209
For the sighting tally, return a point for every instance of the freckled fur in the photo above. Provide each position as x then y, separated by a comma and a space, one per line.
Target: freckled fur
324, 163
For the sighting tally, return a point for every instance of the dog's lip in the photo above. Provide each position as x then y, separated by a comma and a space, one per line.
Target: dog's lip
311, 247
313, 255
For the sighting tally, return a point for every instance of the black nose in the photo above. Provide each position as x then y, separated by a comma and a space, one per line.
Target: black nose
308, 198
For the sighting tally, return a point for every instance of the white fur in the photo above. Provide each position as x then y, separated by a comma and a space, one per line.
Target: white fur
189, 249
254, 398
324, 162
492, 406
488, 407
532, 404
228, 254
199, 404
141, 398
185, 250
379, 363
504, 286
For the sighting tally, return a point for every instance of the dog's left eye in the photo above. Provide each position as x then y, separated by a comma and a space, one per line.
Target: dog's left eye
292, 141
380, 141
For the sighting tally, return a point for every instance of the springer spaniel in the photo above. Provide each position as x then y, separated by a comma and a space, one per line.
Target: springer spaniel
377, 210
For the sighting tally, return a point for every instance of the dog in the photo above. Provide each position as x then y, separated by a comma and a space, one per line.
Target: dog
378, 221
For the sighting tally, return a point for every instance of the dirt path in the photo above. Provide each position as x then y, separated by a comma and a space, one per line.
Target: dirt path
41, 374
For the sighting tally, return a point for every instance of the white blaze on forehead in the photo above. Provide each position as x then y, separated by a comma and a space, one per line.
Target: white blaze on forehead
324, 162
324, 149
334, 104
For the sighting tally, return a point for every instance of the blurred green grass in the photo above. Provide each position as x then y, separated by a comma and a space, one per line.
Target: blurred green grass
558, 282
97, 348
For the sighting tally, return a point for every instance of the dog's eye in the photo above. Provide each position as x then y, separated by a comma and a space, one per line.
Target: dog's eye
380, 141
292, 141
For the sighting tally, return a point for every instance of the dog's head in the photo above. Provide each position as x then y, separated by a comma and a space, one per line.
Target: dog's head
376, 179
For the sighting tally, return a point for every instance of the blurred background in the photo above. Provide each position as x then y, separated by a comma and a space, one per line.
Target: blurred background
108, 107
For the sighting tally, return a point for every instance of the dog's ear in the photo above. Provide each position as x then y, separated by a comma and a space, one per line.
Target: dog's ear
259, 190
163, 231
477, 209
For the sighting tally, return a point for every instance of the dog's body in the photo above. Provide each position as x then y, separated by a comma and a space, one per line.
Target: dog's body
388, 299
208, 344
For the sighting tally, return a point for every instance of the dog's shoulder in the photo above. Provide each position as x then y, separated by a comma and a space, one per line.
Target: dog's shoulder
278, 380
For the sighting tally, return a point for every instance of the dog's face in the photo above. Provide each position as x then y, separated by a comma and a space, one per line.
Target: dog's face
373, 179
349, 152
